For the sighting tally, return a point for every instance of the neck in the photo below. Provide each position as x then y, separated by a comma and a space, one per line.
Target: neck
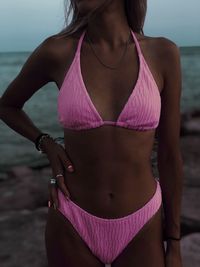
110, 27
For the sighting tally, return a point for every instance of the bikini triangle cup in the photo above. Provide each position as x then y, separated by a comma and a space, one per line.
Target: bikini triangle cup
76, 110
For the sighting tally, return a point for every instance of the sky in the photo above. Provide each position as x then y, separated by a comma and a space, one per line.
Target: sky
24, 24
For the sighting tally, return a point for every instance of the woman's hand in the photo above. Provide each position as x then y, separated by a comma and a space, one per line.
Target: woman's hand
59, 161
173, 254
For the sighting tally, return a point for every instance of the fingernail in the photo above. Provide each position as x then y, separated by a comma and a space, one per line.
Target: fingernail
49, 204
70, 168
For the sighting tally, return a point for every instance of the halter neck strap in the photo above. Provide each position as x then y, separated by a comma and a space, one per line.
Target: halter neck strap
132, 32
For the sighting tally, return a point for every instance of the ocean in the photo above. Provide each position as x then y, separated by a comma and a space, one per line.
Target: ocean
42, 107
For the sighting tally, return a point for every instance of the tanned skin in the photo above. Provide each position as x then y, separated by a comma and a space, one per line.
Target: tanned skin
112, 174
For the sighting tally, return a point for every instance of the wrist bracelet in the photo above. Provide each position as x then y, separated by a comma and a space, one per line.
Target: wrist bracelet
39, 139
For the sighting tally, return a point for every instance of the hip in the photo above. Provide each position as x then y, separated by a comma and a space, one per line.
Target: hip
117, 198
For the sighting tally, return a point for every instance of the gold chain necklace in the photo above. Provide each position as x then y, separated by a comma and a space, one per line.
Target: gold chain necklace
123, 54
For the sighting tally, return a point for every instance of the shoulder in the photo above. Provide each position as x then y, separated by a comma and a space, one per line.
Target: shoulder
52, 53
56, 47
169, 54
166, 50
161, 45
163, 51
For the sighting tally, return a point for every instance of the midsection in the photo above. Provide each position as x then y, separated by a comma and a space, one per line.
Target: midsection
113, 175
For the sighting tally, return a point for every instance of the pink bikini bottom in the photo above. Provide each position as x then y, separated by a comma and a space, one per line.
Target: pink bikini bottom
107, 238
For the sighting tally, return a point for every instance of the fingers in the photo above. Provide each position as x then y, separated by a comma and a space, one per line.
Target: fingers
53, 196
62, 186
57, 169
58, 161
66, 162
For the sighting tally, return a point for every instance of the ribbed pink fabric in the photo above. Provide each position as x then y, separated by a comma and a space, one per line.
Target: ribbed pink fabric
77, 111
107, 238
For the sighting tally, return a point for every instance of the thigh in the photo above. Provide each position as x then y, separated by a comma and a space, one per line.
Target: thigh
146, 249
64, 246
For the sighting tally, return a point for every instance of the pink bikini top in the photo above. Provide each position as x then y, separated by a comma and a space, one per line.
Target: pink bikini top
76, 110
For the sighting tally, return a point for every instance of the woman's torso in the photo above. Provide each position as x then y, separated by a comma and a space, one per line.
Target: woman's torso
113, 173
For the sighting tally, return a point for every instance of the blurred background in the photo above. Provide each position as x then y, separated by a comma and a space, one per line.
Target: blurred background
23, 26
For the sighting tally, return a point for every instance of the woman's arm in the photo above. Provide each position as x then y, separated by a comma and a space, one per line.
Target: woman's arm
35, 73
169, 159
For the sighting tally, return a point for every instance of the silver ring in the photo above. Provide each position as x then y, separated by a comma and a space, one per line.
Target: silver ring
58, 175
52, 181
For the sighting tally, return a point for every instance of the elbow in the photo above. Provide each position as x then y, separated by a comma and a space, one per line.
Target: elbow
5, 107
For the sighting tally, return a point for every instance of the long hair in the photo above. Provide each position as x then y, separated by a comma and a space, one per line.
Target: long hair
135, 12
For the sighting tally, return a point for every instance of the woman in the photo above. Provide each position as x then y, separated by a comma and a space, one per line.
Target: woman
117, 90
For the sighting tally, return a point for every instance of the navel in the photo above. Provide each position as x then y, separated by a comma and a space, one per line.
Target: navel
111, 195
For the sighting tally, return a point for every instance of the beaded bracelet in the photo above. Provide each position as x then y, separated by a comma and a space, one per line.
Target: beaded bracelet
39, 139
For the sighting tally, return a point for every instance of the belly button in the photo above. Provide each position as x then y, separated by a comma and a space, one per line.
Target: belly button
111, 195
